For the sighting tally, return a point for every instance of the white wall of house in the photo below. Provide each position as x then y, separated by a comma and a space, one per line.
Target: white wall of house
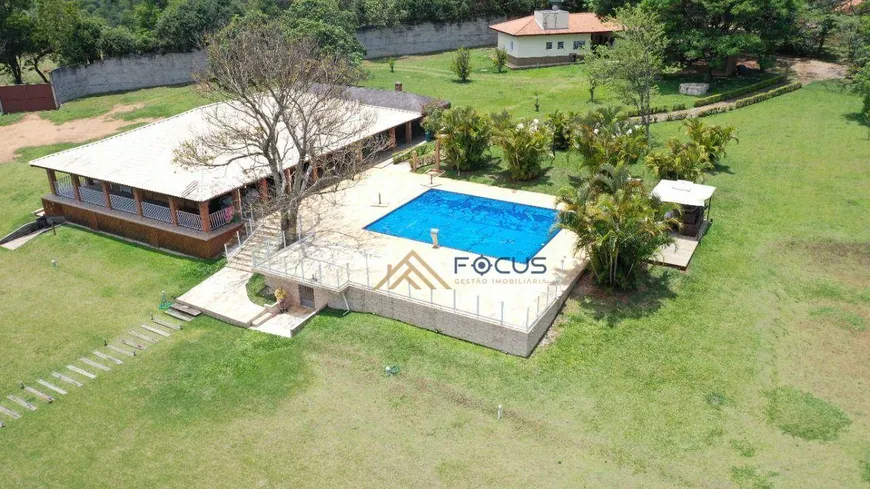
536, 46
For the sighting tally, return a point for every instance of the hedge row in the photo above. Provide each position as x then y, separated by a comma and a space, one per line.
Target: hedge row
740, 91
791, 87
655, 110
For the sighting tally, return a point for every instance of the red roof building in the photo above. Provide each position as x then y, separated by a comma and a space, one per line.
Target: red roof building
551, 37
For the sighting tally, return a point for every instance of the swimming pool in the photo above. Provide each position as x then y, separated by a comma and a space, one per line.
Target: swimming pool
495, 228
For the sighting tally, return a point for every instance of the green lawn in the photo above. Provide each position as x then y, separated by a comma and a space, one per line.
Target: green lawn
558, 88
156, 102
748, 371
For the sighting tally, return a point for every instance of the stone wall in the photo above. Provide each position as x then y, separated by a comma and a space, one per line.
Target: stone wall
128, 73
427, 38
154, 70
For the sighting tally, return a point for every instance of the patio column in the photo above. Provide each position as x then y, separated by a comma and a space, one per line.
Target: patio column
203, 216
106, 195
173, 210
137, 196
392, 133
409, 130
52, 181
264, 189
76, 183
237, 200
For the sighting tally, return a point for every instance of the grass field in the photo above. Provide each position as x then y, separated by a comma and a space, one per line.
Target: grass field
749, 371
561, 87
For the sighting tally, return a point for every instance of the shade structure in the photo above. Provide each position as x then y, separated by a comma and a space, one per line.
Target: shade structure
683, 192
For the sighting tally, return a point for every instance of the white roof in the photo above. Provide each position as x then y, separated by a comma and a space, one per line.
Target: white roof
143, 157
683, 192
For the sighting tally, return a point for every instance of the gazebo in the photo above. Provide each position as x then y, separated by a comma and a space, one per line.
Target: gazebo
695, 199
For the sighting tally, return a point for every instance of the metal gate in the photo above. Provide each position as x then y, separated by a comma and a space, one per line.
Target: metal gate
26, 98
306, 296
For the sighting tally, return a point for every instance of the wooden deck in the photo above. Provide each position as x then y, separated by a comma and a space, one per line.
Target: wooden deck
679, 254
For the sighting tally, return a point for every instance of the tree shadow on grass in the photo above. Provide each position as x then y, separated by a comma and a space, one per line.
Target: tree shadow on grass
614, 306
497, 175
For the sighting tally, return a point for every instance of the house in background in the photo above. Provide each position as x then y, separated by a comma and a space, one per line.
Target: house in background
551, 37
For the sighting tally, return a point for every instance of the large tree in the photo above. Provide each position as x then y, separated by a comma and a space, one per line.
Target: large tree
714, 30
284, 102
636, 61
16, 36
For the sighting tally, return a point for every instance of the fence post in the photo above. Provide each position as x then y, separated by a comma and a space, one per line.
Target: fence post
337, 276
478, 304
431, 296
409, 290
527, 319
537, 306
368, 281
320, 271
239, 238
302, 267
347, 267
502, 312
285, 265
226, 251
454, 299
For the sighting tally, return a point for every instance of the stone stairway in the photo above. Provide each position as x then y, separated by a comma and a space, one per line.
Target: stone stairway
269, 231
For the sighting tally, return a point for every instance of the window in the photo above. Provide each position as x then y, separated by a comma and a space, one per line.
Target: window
579, 44
549, 45
512, 47
560, 45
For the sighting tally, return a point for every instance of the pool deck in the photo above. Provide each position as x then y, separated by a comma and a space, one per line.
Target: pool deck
680, 253
336, 251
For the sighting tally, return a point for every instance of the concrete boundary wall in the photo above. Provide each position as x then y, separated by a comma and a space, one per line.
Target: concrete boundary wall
428, 37
155, 70
127, 73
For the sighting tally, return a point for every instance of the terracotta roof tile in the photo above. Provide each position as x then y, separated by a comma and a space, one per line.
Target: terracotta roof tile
578, 23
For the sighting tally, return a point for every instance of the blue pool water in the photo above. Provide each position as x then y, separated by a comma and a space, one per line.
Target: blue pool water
489, 227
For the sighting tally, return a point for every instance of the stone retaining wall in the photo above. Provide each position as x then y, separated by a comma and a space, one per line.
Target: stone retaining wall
427, 38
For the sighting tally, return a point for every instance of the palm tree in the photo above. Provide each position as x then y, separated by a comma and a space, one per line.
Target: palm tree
616, 222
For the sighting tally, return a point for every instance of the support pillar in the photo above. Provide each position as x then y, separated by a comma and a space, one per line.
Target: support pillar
392, 133
137, 196
76, 183
106, 194
52, 181
237, 201
409, 132
203, 216
173, 210
264, 190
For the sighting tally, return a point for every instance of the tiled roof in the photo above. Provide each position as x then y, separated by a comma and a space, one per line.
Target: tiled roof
578, 23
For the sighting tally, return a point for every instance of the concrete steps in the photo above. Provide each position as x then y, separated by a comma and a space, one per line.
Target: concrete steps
267, 231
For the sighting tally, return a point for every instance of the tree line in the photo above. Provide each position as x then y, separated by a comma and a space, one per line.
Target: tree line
77, 32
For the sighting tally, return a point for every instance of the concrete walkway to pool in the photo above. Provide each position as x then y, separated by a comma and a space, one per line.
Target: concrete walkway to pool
224, 296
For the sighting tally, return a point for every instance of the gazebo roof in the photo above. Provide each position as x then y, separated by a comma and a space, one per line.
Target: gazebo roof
683, 192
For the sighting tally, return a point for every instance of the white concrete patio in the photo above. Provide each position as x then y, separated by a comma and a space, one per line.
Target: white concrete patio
337, 251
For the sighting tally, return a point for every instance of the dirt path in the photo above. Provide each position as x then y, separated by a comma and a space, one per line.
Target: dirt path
33, 130
807, 70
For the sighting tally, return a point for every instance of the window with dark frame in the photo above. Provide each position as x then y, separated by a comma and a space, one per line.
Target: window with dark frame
579, 44
549, 45
560, 45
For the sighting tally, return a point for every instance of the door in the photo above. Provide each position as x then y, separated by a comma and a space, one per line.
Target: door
306, 296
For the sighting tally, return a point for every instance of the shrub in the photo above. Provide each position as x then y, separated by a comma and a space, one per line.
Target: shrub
560, 124
391, 62
461, 65
499, 59
420, 151
681, 161
714, 110
768, 95
713, 139
606, 137
679, 107
775, 80
523, 146
465, 137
